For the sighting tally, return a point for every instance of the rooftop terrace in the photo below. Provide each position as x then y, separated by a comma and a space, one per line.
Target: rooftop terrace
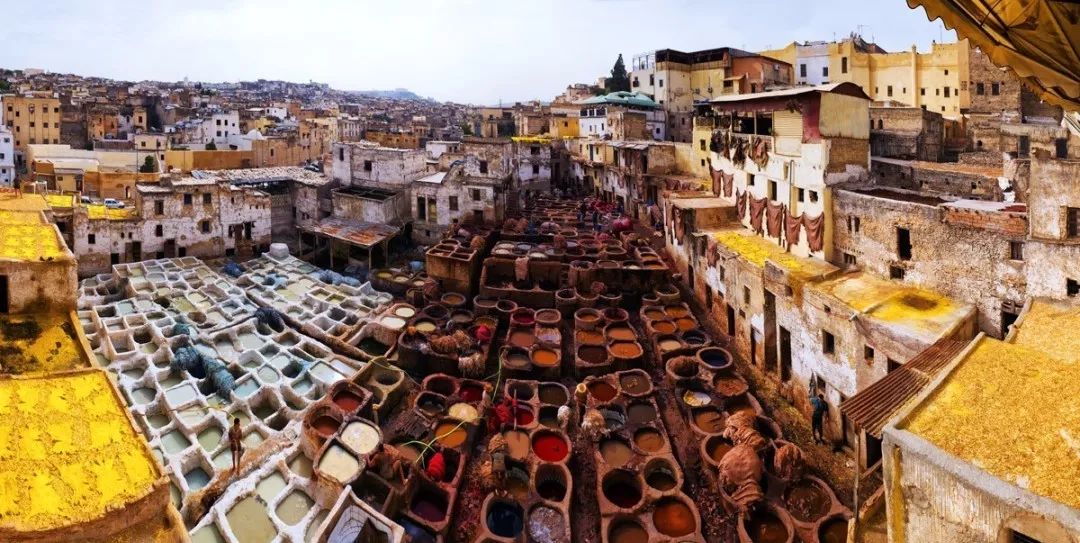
1002, 407
70, 454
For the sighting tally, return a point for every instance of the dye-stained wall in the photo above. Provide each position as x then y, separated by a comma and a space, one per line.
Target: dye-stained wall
361, 164
934, 497
947, 243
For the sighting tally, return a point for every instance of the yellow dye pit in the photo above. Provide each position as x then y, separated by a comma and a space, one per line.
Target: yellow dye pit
39, 343
1009, 410
21, 217
68, 452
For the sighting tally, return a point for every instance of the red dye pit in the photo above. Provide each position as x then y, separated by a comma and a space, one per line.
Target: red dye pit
347, 401
523, 416
325, 426
550, 447
470, 393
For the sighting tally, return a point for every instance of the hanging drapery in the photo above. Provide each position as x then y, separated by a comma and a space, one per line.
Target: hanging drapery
739, 156
711, 252
815, 231
792, 225
757, 214
774, 218
740, 204
728, 183
717, 179
760, 153
680, 228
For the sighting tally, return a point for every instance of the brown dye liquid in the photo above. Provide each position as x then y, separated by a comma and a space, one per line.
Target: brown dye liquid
621, 333
628, 532
709, 420
660, 479
615, 452
544, 357
806, 501
602, 391
669, 345
325, 426
552, 394
676, 311
625, 349
674, 518
718, 449
550, 489
634, 384
664, 327
730, 386
518, 444
648, 440
654, 314
764, 527
686, 324
592, 354
522, 338
833, 531
590, 337
641, 413
622, 493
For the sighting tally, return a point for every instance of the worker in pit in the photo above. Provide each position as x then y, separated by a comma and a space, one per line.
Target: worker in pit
236, 444
497, 449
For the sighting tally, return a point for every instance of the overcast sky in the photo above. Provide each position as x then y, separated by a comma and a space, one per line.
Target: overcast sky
475, 51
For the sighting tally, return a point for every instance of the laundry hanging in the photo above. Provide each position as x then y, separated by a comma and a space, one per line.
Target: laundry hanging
792, 225
728, 184
815, 231
774, 215
760, 153
757, 213
740, 204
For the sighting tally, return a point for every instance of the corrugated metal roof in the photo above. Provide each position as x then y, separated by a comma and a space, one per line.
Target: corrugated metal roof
364, 234
873, 406
621, 98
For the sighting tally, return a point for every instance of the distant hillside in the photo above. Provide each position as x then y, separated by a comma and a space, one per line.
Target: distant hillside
396, 94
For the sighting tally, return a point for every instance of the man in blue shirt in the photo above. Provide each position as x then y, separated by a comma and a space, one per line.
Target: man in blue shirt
820, 410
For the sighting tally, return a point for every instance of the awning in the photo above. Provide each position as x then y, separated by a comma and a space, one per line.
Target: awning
1039, 40
874, 405
363, 234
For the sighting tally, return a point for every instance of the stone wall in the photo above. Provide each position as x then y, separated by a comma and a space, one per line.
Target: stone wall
934, 497
41, 287
912, 133
945, 181
963, 254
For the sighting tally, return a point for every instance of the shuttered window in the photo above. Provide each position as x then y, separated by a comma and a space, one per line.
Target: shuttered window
788, 131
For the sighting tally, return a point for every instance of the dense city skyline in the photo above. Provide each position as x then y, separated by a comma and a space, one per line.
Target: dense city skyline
207, 41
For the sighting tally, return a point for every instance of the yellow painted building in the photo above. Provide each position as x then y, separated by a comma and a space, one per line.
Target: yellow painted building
936, 80
33, 118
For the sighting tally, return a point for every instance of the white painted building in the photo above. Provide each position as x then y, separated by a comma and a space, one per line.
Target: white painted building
220, 126
812, 63
7, 157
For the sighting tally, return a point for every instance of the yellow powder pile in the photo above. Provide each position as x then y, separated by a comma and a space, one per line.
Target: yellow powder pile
68, 452
1010, 410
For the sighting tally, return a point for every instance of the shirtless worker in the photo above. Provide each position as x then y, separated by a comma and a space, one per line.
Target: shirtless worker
236, 444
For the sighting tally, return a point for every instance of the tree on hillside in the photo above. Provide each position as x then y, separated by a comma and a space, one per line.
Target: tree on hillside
619, 80
211, 146
149, 165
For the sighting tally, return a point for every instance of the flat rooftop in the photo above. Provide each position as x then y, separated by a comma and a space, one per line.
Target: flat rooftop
920, 313
1007, 408
70, 452
34, 343
952, 167
99, 211
368, 193
757, 250
25, 235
